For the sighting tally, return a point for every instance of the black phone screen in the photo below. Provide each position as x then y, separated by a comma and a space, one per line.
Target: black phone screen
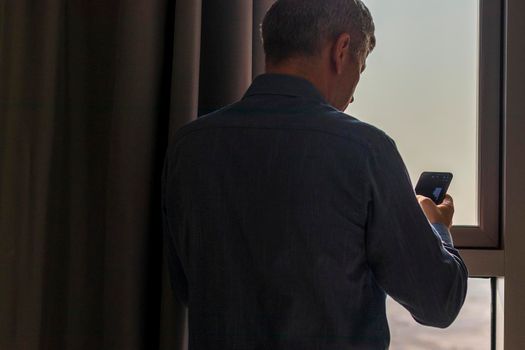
434, 185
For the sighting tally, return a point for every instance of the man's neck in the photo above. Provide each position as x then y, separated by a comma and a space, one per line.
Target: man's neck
305, 69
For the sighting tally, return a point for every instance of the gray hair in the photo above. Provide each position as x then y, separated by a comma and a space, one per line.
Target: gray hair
299, 27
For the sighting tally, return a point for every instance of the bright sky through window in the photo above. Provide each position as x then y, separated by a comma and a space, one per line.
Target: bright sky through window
421, 88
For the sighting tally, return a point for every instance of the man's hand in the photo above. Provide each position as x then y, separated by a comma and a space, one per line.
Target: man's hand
438, 214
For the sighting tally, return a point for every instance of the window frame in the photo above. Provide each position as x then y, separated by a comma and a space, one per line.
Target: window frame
487, 233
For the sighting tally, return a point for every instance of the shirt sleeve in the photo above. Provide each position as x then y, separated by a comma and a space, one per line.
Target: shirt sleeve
444, 233
412, 260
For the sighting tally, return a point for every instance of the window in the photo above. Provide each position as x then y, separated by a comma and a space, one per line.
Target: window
433, 84
470, 330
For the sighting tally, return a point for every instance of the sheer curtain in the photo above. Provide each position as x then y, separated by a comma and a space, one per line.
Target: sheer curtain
90, 93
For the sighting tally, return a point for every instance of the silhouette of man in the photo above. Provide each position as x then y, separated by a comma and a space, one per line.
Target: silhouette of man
288, 221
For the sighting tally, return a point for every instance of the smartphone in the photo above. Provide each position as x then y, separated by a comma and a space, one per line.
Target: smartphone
434, 185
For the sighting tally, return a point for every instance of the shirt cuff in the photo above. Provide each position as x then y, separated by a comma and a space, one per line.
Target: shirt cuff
443, 232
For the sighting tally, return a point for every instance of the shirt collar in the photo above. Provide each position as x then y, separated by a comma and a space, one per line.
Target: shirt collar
287, 85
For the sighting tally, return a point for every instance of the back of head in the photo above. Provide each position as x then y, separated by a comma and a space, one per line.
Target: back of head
298, 28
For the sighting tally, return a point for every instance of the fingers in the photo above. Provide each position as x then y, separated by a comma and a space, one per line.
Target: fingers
447, 204
428, 206
447, 209
441, 213
448, 200
425, 201
421, 198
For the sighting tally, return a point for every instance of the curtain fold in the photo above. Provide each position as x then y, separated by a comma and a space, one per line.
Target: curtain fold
30, 50
184, 99
90, 94
226, 52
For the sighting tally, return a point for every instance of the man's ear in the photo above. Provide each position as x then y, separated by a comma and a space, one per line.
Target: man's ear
340, 50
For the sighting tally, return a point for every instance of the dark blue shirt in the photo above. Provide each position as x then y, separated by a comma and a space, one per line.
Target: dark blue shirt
286, 222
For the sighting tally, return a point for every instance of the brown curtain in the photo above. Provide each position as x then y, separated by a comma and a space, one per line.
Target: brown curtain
90, 92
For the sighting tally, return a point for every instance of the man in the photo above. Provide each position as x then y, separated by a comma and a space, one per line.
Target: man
286, 220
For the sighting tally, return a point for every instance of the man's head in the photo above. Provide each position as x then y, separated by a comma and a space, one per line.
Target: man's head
325, 41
